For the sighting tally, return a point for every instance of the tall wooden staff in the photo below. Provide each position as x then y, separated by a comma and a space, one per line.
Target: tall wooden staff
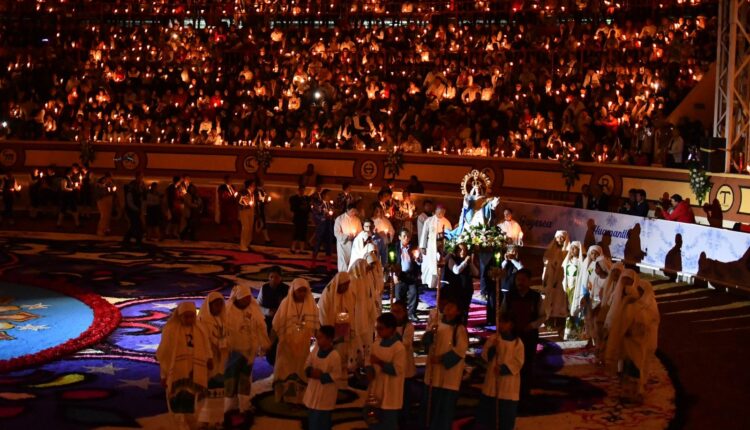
498, 275
440, 239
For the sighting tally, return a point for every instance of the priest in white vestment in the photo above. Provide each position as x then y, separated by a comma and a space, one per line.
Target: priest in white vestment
346, 227
428, 244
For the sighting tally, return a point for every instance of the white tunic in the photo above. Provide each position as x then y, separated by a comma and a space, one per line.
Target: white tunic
359, 248
407, 339
420, 223
389, 388
428, 241
343, 228
512, 230
509, 353
319, 396
437, 374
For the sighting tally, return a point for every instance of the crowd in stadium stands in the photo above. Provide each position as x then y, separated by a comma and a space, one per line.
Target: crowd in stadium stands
537, 86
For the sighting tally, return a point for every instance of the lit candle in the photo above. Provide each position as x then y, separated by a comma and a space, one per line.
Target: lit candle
370, 185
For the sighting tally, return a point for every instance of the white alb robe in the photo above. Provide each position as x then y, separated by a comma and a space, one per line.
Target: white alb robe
359, 248
212, 406
389, 389
294, 324
510, 354
320, 396
513, 232
345, 228
339, 309
438, 375
432, 227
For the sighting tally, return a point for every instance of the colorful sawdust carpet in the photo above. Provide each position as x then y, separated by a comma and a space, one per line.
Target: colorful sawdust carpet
115, 383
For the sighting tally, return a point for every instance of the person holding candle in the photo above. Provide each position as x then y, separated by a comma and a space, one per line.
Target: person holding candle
68, 195
174, 208
154, 212
192, 208
10, 188
511, 228
323, 218
346, 227
134, 194
105, 191
407, 270
299, 204
262, 198
361, 240
247, 214
226, 207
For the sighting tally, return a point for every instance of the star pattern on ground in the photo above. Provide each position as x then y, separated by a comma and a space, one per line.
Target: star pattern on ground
142, 383
32, 327
107, 369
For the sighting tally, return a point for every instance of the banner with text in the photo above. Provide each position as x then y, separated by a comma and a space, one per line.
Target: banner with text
714, 254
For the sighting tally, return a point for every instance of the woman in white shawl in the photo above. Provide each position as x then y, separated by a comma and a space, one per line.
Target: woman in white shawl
212, 319
607, 295
631, 336
650, 309
571, 267
555, 300
338, 307
364, 291
295, 324
587, 270
592, 298
246, 337
184, 357
377, 273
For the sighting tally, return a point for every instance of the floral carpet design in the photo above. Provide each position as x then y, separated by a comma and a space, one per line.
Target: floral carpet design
114, 383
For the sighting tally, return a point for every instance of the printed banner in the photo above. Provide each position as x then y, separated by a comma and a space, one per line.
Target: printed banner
717, 255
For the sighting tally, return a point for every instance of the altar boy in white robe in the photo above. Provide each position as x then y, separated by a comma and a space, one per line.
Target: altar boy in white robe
346, 227
428, 244
386, 373
502, 383
295, 323
405, 330
246, 336
213, 320
323, 369
447, 342
184, 357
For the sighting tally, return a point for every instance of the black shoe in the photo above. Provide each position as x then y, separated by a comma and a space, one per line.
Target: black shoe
414, 318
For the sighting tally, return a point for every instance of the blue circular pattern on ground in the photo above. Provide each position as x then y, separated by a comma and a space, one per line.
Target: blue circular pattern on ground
36, 319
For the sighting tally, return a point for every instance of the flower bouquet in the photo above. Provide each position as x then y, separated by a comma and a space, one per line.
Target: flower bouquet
479, 237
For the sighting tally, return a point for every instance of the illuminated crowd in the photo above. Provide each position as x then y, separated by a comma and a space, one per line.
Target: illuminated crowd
532, 87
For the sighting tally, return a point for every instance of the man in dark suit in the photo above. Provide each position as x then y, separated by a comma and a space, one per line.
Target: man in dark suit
598, 201
582, 200
641, 205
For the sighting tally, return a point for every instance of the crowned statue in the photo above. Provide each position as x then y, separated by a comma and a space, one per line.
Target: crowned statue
478, 208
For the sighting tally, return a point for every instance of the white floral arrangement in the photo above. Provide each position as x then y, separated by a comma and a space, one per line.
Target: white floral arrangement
482, 237
700, 183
